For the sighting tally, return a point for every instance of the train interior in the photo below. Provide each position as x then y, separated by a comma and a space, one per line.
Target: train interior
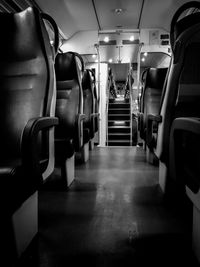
100, 126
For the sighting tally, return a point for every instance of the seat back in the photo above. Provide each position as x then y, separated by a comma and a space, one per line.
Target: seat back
182, 94
27, 84
27, 107
69, 103
95, 99
152, 91
88, 103
143, 80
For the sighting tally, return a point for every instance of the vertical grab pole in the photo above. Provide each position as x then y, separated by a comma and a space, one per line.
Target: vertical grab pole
138, 76
130, 99
138, 69
98, 87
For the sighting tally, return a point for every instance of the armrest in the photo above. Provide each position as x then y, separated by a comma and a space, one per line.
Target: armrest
186, 169
95, 115
156, 118
151, 119
29, 142
79, 131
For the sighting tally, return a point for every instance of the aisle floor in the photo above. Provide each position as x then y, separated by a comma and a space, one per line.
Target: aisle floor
112, 215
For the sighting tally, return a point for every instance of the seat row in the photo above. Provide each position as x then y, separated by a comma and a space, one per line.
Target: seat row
48, 113
169, 118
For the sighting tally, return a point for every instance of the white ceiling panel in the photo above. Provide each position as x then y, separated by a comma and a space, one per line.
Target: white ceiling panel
109, 19
79, 15
158, 13
71, 15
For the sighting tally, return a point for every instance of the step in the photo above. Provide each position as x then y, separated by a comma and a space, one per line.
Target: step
118, 117
118, 136
119, 111
118, 143
111, 100
119, 129
119, 105
118, 123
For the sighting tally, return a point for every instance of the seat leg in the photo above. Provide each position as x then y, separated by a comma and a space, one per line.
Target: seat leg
68, 170
162, 176
151, 157
83, 154
91, 144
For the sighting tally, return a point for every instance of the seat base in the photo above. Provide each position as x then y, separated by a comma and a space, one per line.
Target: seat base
196, 232
25, 223
195, 199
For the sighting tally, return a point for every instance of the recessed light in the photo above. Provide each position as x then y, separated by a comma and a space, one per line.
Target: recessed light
94, 56
118, 10
106, 39
143, 59
131, 38
110, 60
145, 54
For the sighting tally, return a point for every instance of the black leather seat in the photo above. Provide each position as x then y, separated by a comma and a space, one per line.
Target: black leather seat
27, 107
184, 170
69, 110
141, 102
88, 106
181, 95
151, 96
95, 102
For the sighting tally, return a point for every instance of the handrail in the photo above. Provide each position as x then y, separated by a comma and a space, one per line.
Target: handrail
107, 104
130, 101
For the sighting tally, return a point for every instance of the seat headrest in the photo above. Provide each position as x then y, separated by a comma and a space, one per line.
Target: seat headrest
21, 33
185, 23
67, 67
155, 77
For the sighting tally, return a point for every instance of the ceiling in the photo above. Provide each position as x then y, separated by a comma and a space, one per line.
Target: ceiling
80, 15
118, 16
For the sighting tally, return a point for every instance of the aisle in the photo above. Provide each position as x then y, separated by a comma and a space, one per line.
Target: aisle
112, 215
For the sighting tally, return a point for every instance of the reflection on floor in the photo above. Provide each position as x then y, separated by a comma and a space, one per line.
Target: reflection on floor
112, 215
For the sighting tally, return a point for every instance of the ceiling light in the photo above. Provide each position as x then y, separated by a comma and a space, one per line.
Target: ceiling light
145, 54
96, 60
106, 39
118, 10
94, 56
110, 60
131, 38
143, 59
